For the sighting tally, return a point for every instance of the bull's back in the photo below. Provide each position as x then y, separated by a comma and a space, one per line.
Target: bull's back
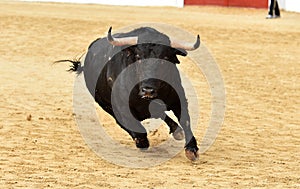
98, 54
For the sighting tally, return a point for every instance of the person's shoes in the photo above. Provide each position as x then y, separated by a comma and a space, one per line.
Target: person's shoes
276, 16
269, 16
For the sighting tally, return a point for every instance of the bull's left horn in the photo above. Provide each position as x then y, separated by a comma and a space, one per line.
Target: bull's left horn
121, 41
185, 45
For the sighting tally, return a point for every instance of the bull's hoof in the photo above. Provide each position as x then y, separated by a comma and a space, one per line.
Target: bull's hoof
142, 143
178, 134
192, 154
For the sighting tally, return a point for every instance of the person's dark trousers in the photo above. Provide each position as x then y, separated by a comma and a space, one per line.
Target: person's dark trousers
274, 6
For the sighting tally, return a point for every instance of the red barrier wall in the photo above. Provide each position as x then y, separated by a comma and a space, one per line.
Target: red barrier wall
235, 3
206, 2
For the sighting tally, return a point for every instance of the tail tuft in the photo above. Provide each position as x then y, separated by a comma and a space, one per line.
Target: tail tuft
75, 67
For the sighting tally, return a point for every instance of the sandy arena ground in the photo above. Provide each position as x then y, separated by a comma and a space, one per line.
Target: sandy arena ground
41, 146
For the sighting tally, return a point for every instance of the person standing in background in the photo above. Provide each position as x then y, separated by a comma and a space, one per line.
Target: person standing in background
273, 7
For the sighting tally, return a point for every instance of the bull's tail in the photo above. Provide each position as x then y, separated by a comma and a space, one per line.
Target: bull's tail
76, 65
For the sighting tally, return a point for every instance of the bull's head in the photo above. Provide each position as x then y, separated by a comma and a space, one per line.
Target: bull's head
156, 55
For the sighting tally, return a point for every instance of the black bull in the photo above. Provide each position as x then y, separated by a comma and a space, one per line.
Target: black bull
133, 76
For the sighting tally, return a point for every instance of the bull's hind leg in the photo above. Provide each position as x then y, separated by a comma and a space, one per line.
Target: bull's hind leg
175, 129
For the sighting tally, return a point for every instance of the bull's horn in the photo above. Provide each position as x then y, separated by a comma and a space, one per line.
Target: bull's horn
121, 41
185, 45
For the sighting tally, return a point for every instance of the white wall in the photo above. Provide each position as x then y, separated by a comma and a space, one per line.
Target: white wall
289, 5
173, 3
292, 5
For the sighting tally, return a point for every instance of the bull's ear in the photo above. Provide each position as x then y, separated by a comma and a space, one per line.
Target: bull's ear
180, 52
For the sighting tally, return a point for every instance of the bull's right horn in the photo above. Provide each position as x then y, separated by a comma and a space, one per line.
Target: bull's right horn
185, 45
121, 41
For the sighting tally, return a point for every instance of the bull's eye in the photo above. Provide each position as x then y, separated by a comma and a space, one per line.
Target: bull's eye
138, 56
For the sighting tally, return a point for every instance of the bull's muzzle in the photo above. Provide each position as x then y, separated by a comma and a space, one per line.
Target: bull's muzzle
148, 93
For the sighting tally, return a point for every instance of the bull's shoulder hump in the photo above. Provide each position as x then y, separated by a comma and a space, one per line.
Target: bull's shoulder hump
96, 43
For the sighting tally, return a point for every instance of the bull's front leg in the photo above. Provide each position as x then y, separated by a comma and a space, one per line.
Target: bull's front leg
124, 117
134, 128
191, 149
